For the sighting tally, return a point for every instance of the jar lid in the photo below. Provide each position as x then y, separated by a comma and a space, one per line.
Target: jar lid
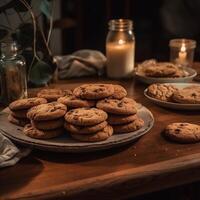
120, 24
178, 43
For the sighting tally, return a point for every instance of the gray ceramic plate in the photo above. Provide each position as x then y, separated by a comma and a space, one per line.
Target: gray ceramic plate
66, 144
172, 105
149, 80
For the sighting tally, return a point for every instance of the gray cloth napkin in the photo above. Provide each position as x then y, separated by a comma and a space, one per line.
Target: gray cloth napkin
81, 63
9, 153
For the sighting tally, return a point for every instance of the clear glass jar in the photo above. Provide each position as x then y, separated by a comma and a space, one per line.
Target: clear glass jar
12, 74
182, 51
120, 49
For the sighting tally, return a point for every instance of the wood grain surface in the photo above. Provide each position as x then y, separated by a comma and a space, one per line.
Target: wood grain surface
150, 164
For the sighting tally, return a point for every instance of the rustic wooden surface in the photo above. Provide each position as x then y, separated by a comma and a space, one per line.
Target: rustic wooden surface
150, 164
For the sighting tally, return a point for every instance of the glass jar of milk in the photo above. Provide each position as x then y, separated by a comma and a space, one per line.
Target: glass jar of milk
120, 49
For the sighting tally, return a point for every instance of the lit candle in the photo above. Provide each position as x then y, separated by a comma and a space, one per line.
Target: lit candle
182, 55
120, 59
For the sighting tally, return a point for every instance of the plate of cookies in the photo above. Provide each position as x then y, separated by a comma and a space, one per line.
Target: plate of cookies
151, 71
91, 117
179, 96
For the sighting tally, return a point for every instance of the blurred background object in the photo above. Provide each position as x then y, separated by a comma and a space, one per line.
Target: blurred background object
83, 24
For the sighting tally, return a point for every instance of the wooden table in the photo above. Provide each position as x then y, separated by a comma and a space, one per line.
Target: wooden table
150, 164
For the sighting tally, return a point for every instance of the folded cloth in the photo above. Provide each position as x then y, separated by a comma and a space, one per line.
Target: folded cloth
9, 153
81, 63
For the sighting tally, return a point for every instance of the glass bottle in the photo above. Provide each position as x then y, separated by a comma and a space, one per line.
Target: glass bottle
12, 73
120, 49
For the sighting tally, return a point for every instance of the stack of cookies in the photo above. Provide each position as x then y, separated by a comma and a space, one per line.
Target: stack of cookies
19, 109
88, 124
46, 120
53, 94
122, 114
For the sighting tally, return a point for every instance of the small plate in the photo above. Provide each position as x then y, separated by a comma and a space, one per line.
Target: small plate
172, 105
149, 80
65, 143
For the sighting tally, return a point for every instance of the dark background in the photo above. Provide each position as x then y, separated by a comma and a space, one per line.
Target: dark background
155, 23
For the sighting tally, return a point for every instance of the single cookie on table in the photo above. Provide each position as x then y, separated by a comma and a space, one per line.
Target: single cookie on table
94, 91
22, 104
85, 129
187, 96
32, 132
121, 119
49, 124
48, 111
85, 116
19, 113
125, 106
72, 101
161, 92
51, 94
101, 135
162, 69
183, 132
119, 92
126, 128
18, 121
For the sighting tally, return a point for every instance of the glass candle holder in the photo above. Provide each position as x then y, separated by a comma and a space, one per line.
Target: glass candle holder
120, 49
182, 51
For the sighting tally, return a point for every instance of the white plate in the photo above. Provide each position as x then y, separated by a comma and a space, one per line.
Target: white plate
66, 144
172, 105
149, 80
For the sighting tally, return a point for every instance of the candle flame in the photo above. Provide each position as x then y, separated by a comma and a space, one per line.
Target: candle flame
183, 48
121, 41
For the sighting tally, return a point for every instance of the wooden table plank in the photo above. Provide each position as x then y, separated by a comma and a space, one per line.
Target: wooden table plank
150, 164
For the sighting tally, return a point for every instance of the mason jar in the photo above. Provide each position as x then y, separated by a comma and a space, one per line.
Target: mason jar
12, 73
120, 49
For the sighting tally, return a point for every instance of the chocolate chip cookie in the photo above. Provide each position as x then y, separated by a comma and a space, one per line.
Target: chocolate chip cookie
121, 119
161, 70
130, 127
183, 132
19, 113
32, 132
125, 106
85, 116
187, 96
26, 103
102, 135
51, 94
85, 129
47, 111
94, 91
119, 92
18, 121
49, 124
72, 101
161, 92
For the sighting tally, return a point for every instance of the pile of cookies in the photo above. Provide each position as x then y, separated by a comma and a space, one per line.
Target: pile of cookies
169, 93
46, 120
19, 109
111, 103
152, 68
121, 114
88, 124
91, 113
